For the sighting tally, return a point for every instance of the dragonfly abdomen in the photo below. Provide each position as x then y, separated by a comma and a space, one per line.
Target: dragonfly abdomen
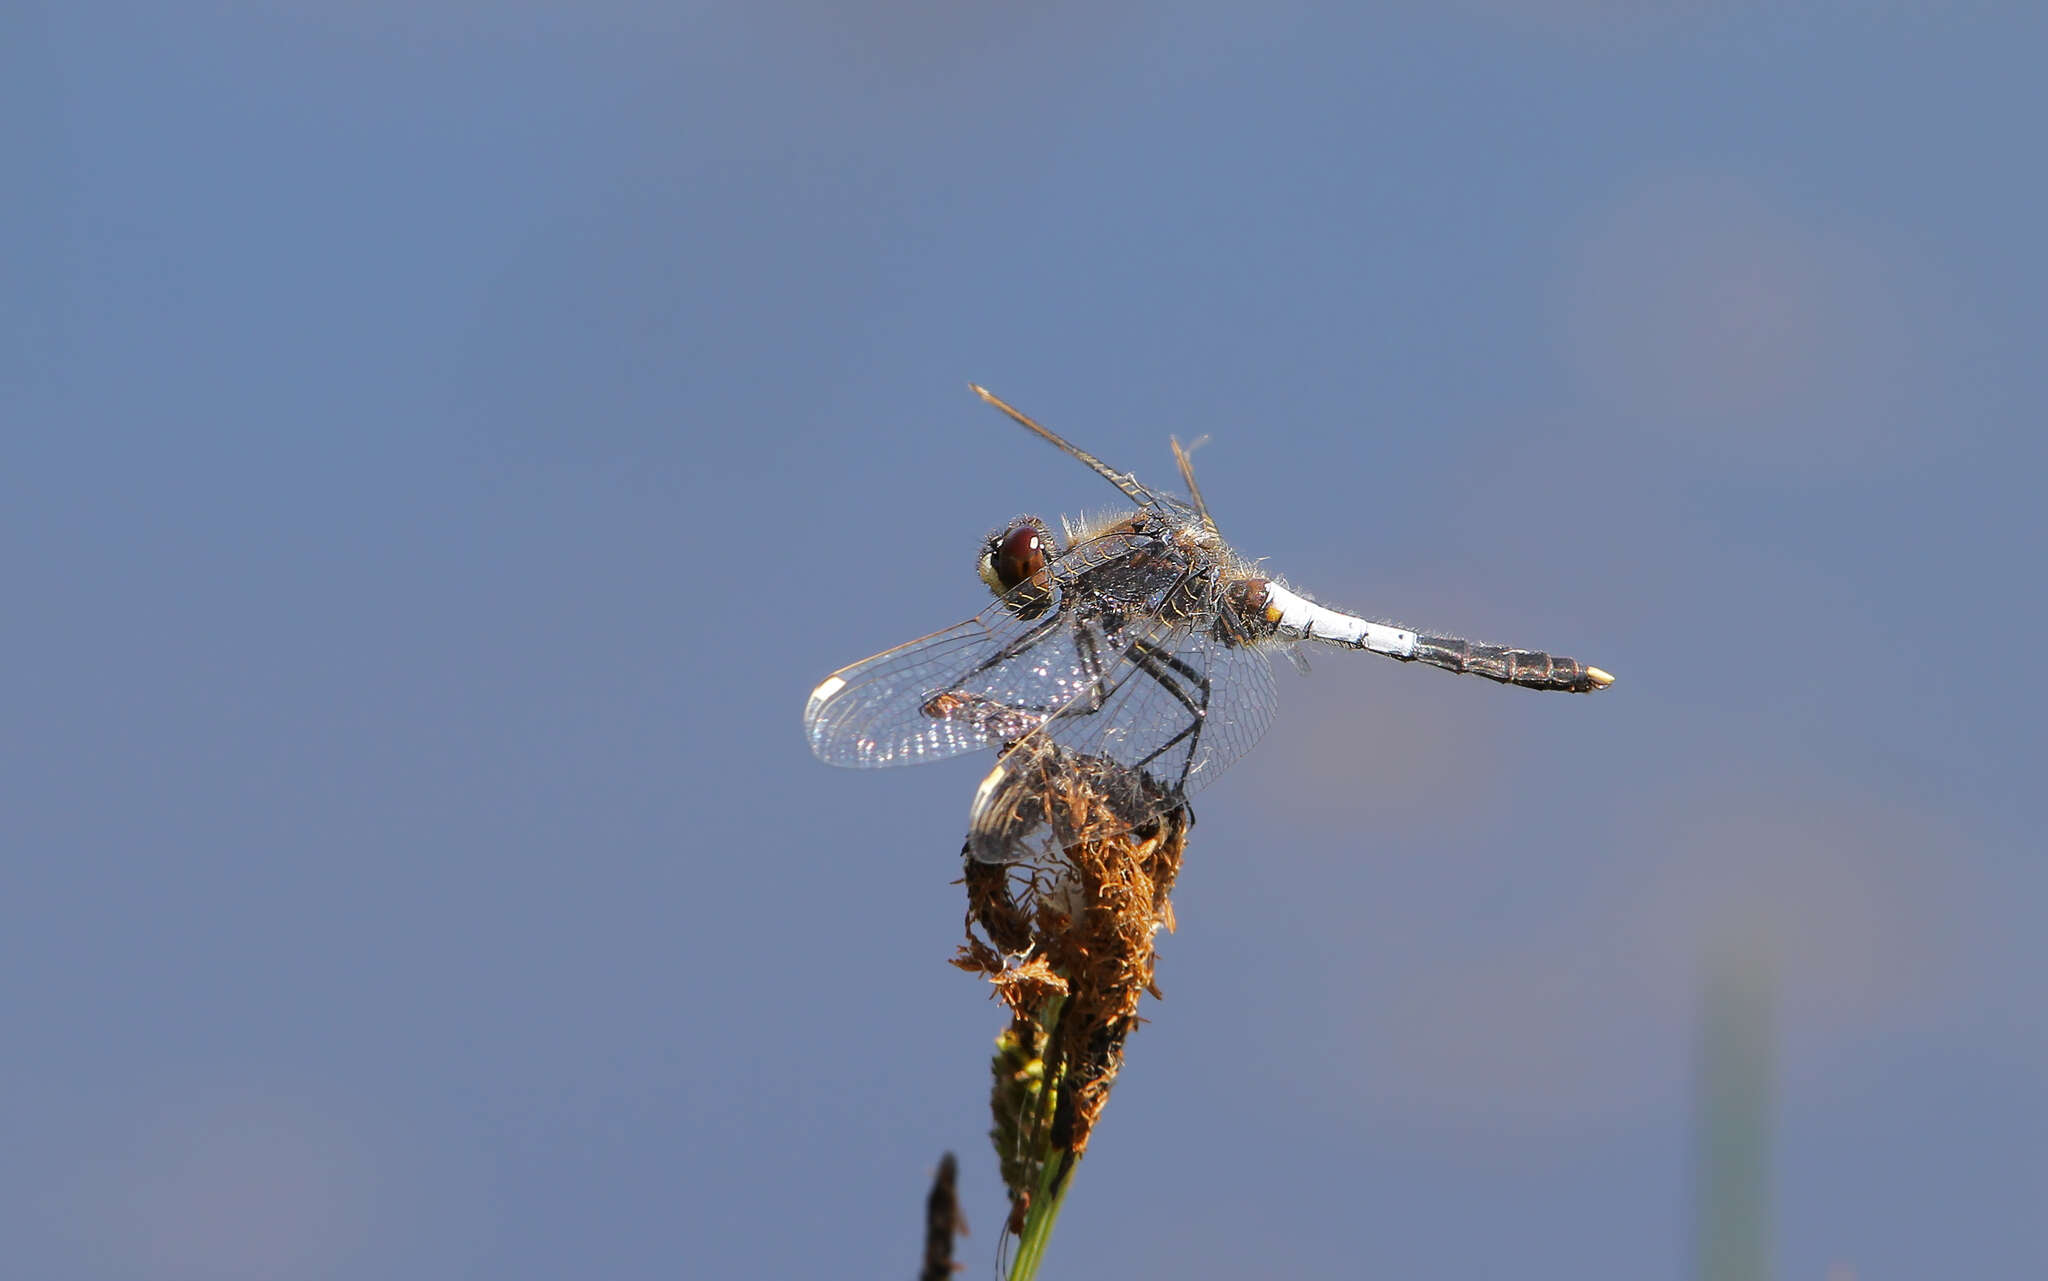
1294, 617
1529, 668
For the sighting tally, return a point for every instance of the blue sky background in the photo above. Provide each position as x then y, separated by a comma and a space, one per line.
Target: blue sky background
441, 444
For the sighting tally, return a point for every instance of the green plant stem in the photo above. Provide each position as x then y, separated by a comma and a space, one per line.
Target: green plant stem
1045, 1205
1038, 1220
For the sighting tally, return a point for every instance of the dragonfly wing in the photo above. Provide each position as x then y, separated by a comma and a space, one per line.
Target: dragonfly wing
989, 680
871, 713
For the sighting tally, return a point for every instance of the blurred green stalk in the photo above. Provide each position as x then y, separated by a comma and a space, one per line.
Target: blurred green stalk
1038, 1221
1732, 1120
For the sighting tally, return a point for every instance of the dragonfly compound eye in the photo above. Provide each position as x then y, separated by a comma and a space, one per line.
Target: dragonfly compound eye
1014, 555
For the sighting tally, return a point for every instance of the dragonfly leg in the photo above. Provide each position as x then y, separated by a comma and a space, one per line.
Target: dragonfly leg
1158, 663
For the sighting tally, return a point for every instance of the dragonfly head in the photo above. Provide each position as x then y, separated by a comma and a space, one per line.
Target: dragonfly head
1012, 554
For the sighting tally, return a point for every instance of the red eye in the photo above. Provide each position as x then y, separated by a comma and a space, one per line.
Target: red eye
1017, 555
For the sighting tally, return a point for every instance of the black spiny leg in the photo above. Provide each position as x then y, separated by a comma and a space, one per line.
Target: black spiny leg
1157, 663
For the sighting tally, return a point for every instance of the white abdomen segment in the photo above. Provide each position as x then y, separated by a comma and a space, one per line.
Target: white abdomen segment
1297, 617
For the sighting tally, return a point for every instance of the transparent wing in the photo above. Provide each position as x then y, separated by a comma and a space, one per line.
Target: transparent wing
984, 682
1181, 702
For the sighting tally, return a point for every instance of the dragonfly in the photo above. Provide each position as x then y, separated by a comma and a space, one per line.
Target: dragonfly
1122, 667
